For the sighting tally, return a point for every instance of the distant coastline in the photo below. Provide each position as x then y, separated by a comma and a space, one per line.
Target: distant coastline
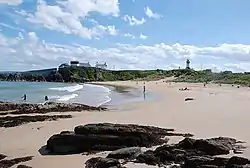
75, 74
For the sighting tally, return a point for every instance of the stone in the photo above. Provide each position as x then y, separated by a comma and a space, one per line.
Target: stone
2, 156
23, 166
235, 160
196, 161
26, 108
13, 121
99, 162
212, 146
189, 99
11, 162
125, 153
119, 129
148, 157
106, 137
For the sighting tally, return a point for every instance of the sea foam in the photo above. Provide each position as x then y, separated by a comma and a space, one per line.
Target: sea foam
64, 97
68, 88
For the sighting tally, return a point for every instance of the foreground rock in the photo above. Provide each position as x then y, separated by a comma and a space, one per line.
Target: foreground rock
206, 162
11, 162
2, 156
107, 137
125, 153
189, 99
25, 108
212, 146
23, 166
193, 153
13, 121
99, 162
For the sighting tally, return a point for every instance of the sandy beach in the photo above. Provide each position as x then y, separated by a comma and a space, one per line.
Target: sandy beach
215, 111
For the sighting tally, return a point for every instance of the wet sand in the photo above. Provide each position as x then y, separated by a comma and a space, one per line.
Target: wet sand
216, 111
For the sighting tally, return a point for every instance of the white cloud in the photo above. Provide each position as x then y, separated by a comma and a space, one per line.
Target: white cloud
67, 16
4, 41
99, 31
133, 21
11, 27
151, 14
28, 51
129, 35
143, 36
11, 2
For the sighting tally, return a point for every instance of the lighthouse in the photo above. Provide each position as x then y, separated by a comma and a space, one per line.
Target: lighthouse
188, 64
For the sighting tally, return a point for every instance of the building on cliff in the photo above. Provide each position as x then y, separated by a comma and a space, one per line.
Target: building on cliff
75, 64
101, 66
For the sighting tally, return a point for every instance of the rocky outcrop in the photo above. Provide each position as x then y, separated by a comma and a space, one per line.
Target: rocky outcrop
11, 162
25, 108
13, 121
2, 156
193, 153
99, 162
212, 146
23, 166
126, 140
107, 137
125, 153
149, 158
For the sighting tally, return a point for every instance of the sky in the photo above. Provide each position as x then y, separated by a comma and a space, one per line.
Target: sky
127, 34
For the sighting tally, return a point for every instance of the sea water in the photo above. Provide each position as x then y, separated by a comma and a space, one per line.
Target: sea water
59, 92
93, 95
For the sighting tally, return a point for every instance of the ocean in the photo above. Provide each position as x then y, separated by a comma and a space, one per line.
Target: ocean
93, 95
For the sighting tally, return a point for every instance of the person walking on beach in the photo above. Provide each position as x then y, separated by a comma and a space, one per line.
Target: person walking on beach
24, 97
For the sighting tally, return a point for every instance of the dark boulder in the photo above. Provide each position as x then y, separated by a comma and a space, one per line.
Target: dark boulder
189, 99
168, 154
13, 121
26, 108
119, 129
237, 161
125, 153
149, 158
197, 161
23, 166
212, 146
208, 161
11, 162
75, 143
106, 137
2, 156
99, 162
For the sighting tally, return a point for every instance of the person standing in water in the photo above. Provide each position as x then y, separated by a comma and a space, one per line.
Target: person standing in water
46, 98
144, 91
24, 97
144, 87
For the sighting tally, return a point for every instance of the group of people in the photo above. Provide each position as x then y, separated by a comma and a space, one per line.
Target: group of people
24, 97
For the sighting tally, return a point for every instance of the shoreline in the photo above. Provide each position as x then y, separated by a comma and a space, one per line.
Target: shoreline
215, 111
98, 94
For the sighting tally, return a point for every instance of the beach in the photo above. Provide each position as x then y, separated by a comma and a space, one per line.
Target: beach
215, 111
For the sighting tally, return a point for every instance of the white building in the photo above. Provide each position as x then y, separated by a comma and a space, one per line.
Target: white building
101, 66
86, 65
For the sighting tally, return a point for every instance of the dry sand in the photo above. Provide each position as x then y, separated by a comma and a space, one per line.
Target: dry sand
216, 111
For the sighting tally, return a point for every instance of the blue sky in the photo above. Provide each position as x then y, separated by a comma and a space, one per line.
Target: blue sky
127, 34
